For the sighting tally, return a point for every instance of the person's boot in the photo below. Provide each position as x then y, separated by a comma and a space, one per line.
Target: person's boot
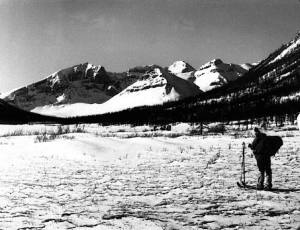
260, 182
269, 181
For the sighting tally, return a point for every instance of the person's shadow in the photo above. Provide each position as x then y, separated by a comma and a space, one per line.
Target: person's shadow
275, 190
284, 190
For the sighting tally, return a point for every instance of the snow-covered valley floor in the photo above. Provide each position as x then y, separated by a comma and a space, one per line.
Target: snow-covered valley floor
87, 181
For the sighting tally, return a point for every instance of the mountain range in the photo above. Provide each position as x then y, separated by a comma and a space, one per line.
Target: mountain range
268, 91
86, 89
150, 94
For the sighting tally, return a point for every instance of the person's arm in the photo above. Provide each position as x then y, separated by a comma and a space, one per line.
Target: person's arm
253, 144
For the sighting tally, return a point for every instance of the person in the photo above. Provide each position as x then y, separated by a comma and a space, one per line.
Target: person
263, 160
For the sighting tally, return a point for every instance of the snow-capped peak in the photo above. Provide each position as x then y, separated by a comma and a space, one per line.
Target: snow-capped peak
216, 73
183, 70
180, 67
212, 63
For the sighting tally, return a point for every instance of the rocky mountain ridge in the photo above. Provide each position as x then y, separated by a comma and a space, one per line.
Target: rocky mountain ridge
90, 84
213, 74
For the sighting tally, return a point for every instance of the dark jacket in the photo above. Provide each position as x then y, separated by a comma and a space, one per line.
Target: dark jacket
258, 144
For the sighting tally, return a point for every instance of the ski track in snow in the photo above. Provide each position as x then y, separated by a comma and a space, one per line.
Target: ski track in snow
187, 182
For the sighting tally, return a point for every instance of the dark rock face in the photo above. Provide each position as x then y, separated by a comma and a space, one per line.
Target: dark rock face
217, 61
142, 69
100, 76
80, 83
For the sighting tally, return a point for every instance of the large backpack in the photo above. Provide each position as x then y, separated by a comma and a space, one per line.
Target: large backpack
272, 144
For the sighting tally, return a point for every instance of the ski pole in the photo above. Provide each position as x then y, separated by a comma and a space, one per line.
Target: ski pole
243, 165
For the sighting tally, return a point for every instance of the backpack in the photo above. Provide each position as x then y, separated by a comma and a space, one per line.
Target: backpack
271, 144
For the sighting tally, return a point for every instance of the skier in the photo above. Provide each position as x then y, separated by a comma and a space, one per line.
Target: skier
263, 159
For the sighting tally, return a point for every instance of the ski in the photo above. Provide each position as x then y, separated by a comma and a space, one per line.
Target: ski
247, 186
244, 185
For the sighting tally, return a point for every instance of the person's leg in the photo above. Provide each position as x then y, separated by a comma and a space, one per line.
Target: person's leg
268, 173
261, 168
261, 179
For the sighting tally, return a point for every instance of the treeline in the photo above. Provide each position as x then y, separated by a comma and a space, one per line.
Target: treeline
12, 115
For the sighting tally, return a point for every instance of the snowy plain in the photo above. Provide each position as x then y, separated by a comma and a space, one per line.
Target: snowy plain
124, 177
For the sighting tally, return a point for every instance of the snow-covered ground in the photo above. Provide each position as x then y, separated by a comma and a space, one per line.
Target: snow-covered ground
94, 177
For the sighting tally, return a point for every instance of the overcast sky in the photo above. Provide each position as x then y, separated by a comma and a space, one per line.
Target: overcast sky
39, 37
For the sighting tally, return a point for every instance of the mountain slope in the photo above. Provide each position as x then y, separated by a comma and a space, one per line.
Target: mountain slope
287, 49
157, 86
